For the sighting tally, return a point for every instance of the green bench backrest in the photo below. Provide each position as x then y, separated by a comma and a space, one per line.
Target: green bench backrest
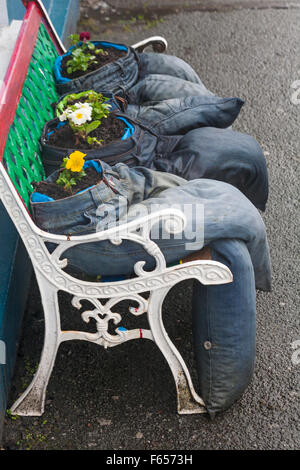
22, 155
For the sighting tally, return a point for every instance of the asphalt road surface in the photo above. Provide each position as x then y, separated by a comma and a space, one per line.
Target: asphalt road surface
124, 398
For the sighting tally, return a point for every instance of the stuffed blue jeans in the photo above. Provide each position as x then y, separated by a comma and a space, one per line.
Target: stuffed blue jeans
140, 77
167, 96
205, 152
223, 316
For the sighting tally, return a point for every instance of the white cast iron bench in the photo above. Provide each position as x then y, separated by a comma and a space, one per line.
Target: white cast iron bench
25, 98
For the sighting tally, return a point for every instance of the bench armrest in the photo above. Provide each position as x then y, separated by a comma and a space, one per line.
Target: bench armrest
158, 43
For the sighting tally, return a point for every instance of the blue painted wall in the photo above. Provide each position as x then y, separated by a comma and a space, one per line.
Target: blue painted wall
15, 266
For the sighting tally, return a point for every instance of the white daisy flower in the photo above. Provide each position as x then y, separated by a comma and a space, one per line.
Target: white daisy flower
83, 105
87, 108
78, 105
63, 116
80, 116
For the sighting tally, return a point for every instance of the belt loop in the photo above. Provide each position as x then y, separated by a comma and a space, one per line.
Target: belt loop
124, 92
98, 195
123, 102
139, 142
122, 68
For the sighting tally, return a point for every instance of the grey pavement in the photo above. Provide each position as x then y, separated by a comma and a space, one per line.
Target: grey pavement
124, 398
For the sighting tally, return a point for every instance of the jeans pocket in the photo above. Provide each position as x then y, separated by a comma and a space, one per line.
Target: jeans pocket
87, 223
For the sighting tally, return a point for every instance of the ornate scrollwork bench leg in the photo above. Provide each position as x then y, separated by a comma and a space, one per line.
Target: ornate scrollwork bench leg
187, 400
51, 277
31, 402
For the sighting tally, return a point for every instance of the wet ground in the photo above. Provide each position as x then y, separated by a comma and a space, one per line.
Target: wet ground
124, 398
116, 16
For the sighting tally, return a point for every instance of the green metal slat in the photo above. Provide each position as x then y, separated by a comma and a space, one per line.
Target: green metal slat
22, 155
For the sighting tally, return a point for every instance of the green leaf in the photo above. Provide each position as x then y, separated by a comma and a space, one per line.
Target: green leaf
101, 51
76, 52
92, 140
65, 160
91, 126
74, 38
80, 175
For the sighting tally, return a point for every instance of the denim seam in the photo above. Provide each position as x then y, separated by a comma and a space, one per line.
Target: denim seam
47, 144
94, 72
128, 253
57, 201
210, 338
195, 108
119, 155
79, 232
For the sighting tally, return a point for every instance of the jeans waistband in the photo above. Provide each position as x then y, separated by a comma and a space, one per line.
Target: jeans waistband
116, 77
59, 214
138, 148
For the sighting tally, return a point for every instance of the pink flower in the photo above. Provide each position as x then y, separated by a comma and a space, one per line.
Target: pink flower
84, 36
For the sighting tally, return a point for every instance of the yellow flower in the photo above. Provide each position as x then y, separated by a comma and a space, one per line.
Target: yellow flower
76, 161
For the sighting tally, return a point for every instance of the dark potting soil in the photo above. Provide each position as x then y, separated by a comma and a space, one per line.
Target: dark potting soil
101, 60
109, 130
58, 192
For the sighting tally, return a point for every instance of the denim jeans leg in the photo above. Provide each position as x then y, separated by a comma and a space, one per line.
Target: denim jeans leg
180, 115
220, 154
158, 87
214, 211
165, 64
224, 328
